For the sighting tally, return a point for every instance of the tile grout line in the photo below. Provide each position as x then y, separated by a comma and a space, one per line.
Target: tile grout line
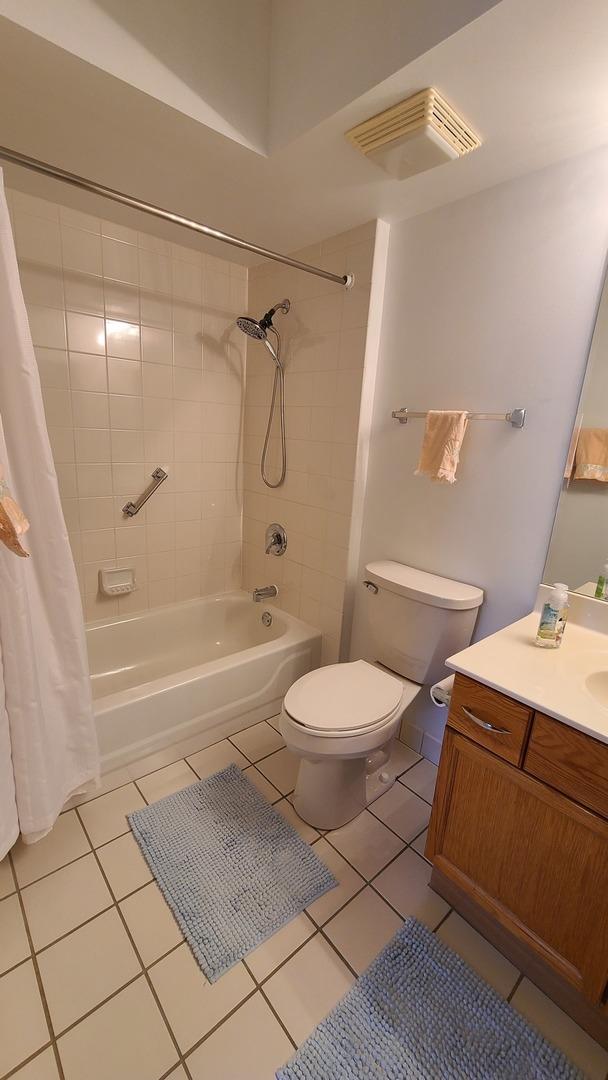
143, 967
269, 1003
41, 990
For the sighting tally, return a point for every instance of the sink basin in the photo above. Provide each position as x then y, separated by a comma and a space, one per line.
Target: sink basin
597, 685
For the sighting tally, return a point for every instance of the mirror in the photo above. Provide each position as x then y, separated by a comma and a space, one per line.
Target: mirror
578, 550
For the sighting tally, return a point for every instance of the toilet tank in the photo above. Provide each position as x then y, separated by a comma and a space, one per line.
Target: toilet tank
416, 620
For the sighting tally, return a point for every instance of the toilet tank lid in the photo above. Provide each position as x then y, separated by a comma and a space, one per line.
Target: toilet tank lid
425, 588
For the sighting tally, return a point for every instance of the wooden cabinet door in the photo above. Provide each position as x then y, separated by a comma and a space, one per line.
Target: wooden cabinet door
534, 860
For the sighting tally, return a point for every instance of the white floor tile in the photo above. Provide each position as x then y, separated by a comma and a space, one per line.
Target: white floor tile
349, 882
422, 779
22, 1022
62, 901
405, 884
85, 967
192, 1005
267, 789
483, 957
7, 885
308, 986
402, 758
106, 817
178, 1074
419, 844
124, 865
305, 830
166, 781
151, 923
14, 946
366, 844
125, 1038
258, 741
65, 842
42, 1067
281, 768
271, 953
217, 757
250, 1044
363, 928
275, 722
403, 811
560, 1030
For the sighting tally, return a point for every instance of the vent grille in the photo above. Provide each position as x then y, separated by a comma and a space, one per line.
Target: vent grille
425, 109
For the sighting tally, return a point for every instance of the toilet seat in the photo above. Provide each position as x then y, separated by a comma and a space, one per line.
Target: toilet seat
344, 699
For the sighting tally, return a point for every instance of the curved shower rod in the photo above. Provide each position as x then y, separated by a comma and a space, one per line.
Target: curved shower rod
15, 158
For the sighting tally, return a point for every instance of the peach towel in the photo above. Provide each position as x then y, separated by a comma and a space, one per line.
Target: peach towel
13, 522
441, 445
591, 455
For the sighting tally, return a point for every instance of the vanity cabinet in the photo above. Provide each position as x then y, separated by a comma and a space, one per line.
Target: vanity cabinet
519, 834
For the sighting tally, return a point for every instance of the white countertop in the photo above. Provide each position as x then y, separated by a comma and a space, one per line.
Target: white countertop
550, 680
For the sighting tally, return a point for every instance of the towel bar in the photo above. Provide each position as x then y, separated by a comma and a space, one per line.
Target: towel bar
516, 418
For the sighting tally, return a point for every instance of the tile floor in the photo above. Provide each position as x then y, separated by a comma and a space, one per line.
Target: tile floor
97, 982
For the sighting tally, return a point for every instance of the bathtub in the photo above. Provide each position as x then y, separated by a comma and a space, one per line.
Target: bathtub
203, 668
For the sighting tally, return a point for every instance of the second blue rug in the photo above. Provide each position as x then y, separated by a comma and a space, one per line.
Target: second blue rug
420, 1012
231, 868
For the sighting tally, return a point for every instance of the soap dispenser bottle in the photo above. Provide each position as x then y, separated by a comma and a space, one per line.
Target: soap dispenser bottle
601, 589
553, 618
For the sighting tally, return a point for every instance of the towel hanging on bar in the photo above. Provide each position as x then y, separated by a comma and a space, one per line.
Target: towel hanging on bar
440, 453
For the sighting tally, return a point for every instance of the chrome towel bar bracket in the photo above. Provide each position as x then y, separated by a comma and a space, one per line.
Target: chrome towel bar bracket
133, 508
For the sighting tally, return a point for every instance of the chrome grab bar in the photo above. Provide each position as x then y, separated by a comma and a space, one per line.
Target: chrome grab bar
133, 508
484, 723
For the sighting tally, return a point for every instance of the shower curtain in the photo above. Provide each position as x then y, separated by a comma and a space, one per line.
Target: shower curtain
48, 748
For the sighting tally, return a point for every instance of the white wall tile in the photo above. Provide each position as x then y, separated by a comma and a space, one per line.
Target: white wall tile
120, 261
81, 250
85, 333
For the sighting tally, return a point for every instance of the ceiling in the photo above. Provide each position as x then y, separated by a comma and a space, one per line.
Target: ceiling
251, 139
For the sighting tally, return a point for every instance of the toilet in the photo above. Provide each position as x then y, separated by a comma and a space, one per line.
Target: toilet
341, 720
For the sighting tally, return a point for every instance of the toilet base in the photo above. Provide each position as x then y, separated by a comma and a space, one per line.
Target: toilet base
329, 793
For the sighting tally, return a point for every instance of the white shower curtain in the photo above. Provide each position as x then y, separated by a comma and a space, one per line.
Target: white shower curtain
48, 749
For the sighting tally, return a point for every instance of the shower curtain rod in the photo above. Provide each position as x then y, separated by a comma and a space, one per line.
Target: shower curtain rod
55, 173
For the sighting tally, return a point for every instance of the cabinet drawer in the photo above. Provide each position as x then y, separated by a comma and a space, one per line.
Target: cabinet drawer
490, 719
570, 761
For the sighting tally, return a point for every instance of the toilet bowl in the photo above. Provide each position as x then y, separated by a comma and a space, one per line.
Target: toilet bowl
341, 720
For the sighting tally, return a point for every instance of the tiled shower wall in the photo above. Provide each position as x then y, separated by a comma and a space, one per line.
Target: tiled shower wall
141, 365
323, 343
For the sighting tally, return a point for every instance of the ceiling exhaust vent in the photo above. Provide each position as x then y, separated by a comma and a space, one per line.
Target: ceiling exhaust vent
415, 135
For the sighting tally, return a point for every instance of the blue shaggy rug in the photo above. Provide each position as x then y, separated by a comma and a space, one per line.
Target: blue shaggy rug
420, 1013
231, 868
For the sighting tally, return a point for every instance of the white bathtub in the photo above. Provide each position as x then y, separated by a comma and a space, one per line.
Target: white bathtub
202, 668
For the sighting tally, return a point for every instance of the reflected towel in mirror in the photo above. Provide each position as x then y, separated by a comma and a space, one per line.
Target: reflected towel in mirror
591, 456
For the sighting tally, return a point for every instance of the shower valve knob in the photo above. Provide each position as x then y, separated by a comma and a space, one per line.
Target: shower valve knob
276, 540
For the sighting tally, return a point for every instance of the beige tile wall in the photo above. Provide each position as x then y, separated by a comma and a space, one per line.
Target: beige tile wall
140, 365
323, 350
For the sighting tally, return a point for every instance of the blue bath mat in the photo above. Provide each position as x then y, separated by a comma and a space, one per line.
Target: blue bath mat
231, 868
420, 1013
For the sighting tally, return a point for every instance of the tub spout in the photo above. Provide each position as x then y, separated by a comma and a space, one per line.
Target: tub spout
265, 593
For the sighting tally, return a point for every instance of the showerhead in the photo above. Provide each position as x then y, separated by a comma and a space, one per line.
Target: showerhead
251, 327
258, 328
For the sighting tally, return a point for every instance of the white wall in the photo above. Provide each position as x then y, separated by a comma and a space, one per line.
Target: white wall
490, 305
208, 60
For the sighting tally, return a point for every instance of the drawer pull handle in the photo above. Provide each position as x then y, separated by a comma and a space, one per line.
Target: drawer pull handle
484, 723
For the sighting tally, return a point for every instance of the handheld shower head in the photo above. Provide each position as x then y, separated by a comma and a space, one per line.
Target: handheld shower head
258, 328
